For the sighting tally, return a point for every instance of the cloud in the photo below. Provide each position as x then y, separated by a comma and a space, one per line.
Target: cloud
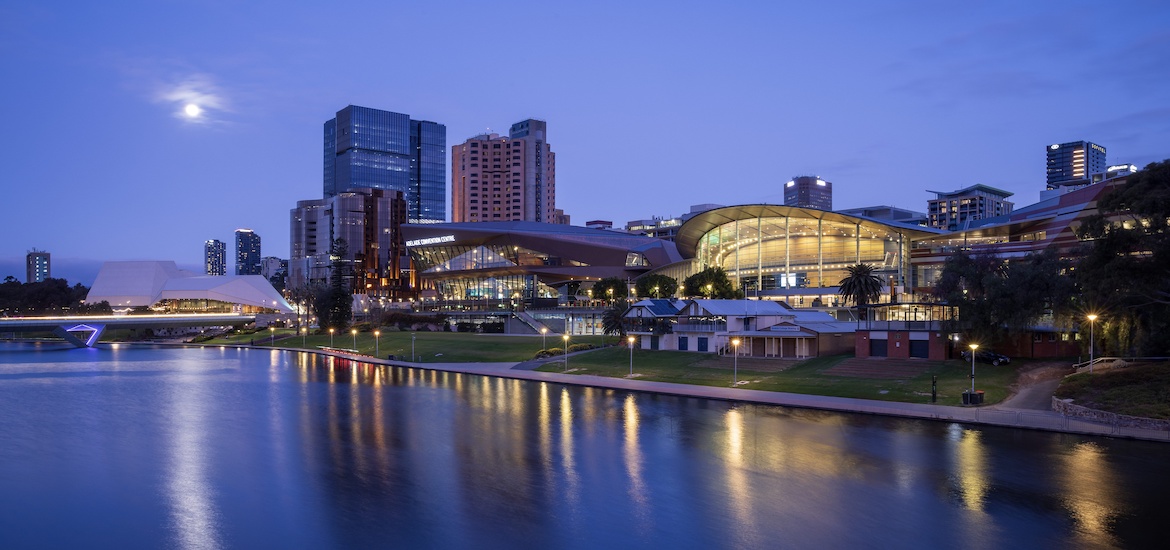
195, 99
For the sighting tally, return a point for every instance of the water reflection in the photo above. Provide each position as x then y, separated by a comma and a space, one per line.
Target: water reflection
190, 492
321, 452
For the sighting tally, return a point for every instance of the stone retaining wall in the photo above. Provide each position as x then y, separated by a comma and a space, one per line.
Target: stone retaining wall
1067, 408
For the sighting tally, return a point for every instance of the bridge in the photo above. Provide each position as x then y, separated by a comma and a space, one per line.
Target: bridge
84, 331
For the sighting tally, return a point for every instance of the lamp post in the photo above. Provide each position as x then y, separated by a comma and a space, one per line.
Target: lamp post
1092, 317
735, 362
973, 348
377, 338
330, 337
565, 337
543, 332
631, 341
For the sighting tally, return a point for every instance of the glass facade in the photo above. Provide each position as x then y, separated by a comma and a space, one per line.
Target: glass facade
371, 148
787, 253
502, 274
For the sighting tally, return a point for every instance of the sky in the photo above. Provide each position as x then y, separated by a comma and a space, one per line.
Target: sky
652, 107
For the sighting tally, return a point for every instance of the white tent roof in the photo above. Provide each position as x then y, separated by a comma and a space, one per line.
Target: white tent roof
134, 284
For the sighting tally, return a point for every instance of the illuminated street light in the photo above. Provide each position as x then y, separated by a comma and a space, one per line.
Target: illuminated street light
1092, 318
631, 341
973, 348
735, 362
565, 337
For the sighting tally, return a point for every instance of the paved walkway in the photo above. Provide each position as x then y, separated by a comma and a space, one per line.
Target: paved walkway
1018, 412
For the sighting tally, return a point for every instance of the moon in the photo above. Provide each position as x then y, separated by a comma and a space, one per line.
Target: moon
192, 110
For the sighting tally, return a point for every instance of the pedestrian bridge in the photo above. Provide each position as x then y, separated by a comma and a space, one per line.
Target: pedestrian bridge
84, 331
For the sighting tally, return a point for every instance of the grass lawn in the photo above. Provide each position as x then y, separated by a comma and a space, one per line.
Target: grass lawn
430, 347
804, 377
1138, 390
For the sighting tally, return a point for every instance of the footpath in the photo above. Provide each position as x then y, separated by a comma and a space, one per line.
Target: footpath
1029, 407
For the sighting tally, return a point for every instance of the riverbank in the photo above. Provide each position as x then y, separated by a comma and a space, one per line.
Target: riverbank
992, 415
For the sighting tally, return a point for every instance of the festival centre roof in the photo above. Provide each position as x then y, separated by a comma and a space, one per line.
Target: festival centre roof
145, 283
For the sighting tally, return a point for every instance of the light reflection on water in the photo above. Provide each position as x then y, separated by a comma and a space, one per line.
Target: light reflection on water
250, 448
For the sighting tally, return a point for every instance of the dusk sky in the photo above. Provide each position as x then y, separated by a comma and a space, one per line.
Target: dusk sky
651, 106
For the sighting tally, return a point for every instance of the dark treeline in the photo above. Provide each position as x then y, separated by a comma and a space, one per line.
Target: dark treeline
49, 297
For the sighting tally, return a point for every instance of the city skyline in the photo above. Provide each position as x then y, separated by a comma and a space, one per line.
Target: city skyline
220, 107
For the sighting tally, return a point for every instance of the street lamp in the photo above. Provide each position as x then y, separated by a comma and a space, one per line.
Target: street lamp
631, 341
377, 335
973, 348
330, 337
543, 332
565, 337
735, 362
1092, 317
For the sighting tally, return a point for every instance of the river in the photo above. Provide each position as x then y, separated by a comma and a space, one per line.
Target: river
144, 447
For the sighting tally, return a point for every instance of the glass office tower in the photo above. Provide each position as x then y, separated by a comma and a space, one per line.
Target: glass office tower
371, 148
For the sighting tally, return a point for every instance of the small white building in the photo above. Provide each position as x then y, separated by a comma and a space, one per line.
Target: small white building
763, 328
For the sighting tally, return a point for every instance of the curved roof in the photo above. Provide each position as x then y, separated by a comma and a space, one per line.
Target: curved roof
134, 284
693, 229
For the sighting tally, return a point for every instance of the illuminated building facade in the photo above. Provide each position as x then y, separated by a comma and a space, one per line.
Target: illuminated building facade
1074, 163
247, 252
215, 257
375, 149
369, 221
487, 264
958, 209
501, 179
798, 255
37, 266
809, 192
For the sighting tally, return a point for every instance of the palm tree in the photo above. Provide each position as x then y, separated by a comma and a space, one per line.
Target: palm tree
612, 321
861, 285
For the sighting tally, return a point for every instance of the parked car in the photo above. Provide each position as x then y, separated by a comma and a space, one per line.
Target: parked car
986, 356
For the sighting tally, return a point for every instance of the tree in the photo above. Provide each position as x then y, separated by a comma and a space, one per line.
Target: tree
613, 319
333, 304
710, 283
602, 289
655, 285
997, 297
861, 286
1122, 273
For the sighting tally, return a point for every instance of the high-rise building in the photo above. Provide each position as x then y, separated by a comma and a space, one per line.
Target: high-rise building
215, 257
496, 178
373, 149
809, 192
955, 210
369, 222
1072, 164
37, 266
247, 252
